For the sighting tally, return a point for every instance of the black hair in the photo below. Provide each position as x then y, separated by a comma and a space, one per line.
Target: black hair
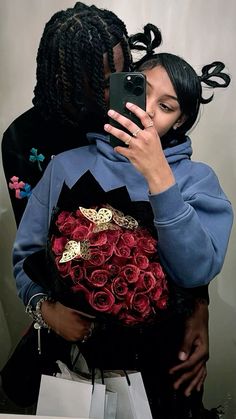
187, 84
70, 61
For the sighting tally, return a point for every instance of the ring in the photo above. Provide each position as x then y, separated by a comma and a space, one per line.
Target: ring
135, 133
150, 125
86, 337
128, 141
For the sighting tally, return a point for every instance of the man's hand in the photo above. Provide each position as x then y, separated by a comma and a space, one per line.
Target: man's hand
190, 374
70, 324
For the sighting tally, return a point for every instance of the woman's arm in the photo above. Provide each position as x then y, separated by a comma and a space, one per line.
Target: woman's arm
193, 225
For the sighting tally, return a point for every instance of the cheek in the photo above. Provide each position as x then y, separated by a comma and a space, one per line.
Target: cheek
163, 123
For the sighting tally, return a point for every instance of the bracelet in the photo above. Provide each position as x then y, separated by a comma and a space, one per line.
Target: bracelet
37, 314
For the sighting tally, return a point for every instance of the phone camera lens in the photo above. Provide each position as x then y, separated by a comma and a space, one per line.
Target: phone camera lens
138, 81
129, 85
138, 90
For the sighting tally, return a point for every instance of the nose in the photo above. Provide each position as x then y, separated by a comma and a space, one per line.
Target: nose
151, 114
149, 108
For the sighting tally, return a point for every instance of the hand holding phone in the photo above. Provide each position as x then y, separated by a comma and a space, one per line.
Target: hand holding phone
126, 87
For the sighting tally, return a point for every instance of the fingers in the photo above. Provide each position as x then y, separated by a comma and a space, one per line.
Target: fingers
191, 380
141, 114
194, 359
128, 125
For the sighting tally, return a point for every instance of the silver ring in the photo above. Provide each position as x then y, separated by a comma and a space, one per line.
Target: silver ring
150, 125
135, 133
128, 141
86, 337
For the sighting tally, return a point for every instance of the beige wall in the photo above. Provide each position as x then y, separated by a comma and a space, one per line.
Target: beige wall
201, 31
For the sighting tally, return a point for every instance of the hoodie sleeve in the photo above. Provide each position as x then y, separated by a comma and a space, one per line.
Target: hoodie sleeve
32, 237
193, 228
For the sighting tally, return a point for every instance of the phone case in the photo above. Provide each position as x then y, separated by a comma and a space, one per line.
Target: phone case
126, 87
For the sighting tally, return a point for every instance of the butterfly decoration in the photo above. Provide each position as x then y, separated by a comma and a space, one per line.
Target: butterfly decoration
103, 217
74, 249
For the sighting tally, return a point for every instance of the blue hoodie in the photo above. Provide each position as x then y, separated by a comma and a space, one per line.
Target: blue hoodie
193, 217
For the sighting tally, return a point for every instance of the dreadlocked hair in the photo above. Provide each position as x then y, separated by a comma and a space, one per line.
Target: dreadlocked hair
70, 60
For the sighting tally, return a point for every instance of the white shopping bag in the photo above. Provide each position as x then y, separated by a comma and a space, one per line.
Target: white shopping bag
110, 405
97, 408
132, 402
63, 397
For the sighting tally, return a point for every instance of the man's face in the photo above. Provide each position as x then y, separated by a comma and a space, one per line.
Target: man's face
119, 66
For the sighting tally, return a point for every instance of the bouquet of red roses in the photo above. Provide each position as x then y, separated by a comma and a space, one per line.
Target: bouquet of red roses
112, 261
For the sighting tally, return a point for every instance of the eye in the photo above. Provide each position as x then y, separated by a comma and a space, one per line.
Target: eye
165, 108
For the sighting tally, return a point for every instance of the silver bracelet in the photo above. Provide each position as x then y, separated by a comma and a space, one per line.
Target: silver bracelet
37, 314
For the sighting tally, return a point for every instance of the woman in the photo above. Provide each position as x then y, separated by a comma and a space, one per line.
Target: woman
179, 201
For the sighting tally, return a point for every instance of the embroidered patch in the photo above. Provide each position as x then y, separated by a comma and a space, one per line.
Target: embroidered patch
35, 157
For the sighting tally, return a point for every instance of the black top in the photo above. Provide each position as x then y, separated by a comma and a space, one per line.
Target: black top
28, 145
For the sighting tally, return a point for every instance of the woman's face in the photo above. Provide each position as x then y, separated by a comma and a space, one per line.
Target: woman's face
162, 102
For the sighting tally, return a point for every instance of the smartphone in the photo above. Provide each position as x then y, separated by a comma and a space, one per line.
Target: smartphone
126, 87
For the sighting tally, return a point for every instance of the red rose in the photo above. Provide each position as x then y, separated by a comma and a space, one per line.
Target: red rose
130, 273
62, 218
97, 258
98, 239
82, 220
128, 239
98, 278
80, 233
107, 249
119, 287
113, 269
122, 251
146, 281
113, 236
58, 244
141, 303
102, 300
77, 273
157, 270
148, 245
69, 225
141, 261
63, 268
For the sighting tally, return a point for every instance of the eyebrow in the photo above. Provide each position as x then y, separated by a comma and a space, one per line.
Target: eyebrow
165, 95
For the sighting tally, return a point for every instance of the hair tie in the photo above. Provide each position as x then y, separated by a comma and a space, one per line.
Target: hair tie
147, 41
210, 73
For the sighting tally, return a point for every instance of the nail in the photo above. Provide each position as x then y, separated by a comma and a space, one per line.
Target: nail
111, 112
182, 356
129, 105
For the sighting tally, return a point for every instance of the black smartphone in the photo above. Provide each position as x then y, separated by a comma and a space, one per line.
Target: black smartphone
126, 87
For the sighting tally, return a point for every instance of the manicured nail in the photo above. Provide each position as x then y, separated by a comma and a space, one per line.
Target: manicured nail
129, 105
106, 127
111, 112
182, 356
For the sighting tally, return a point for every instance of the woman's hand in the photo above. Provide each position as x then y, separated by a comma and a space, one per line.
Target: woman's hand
144, 148
70, 324
190, 374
